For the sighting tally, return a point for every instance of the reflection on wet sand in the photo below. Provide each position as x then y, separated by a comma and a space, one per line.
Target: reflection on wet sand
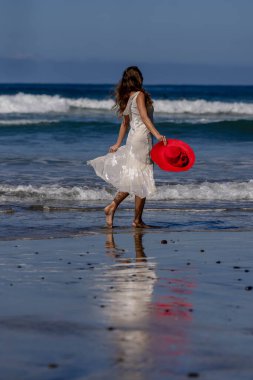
150, 314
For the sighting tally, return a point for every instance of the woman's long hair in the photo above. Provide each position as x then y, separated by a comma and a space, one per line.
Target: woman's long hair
131, 80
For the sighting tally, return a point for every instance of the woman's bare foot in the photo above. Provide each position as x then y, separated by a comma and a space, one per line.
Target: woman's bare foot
140, 224
109, 214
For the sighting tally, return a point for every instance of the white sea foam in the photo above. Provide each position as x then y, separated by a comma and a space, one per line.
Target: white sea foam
27, 103
203, 107
207, 191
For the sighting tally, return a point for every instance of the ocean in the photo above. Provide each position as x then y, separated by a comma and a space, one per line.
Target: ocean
49, 131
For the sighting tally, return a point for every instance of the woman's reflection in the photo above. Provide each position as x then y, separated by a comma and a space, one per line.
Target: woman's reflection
150, 314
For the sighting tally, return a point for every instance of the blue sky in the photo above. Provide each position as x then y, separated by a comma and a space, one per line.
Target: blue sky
90, 41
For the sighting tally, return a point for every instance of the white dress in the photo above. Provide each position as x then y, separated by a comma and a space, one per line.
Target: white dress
130, 168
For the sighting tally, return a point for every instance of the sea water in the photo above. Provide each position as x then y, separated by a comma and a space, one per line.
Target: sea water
48, 132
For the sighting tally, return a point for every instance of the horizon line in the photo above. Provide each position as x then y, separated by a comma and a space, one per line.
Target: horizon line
114, 84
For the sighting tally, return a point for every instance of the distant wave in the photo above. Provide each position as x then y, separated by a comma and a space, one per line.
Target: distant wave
227, 191
22, 103
27, 121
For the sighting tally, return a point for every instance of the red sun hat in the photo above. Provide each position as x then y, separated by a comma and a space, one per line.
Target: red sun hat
176, 156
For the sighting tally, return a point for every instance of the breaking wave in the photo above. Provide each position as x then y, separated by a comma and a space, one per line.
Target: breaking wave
228, 191
22, 103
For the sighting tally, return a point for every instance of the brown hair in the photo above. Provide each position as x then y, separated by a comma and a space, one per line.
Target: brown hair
131, 80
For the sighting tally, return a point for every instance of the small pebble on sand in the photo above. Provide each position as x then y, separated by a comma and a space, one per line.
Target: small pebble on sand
52, 365
248, 287
193, 374
164, 242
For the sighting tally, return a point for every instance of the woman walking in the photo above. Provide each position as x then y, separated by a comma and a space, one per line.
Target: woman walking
129, 168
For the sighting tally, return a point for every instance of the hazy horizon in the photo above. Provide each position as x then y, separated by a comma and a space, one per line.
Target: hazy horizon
177, 42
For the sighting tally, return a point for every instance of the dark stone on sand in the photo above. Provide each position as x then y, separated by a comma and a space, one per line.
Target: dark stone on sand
80, 278
19, 266
202, 250
188, 263
239, 279
36, 253
102, 306
43, 278
190, 310
110, 328
11, 284
246, 270
164, 242
52, 365
236, 267
111, 287
248, 288
218, 262
69, 262
193, 374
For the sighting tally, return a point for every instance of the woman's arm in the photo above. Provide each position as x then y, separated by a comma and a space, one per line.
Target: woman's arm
122, 133
146, 120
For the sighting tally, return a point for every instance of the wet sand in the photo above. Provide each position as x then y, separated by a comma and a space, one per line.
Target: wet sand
128, 305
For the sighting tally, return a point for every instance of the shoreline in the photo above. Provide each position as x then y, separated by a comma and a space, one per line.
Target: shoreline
85, 232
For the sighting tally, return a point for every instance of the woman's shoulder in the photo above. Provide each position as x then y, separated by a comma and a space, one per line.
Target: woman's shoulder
140, 95
142, 98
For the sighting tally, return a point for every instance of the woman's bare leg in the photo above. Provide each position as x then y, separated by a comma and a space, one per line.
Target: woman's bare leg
139, 206
111, 208
139, 250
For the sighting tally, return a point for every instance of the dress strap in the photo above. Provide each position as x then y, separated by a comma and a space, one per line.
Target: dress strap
129, 102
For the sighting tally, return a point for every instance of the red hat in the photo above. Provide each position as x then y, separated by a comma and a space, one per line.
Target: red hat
176, 156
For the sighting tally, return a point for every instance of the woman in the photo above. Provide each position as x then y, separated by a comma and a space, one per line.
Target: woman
128, 167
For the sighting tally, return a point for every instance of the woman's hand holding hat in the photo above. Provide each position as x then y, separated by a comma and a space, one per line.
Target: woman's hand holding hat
162, 138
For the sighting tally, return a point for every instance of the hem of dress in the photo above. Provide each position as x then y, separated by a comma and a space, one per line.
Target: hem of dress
121, 189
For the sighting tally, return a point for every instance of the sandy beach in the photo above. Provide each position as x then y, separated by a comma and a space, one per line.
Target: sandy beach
144, 304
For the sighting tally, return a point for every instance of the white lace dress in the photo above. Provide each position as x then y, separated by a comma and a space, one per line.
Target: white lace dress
130, 168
